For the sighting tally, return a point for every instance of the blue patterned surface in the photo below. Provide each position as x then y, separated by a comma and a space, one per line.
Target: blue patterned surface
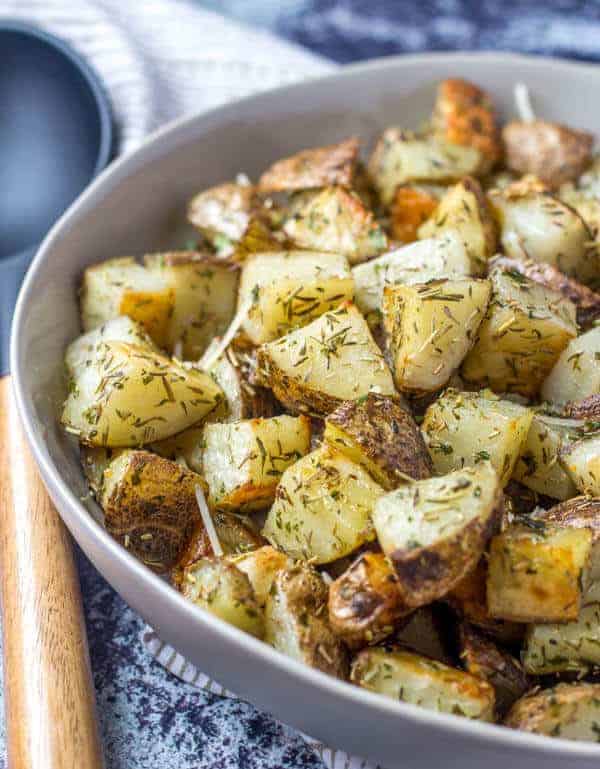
150, 720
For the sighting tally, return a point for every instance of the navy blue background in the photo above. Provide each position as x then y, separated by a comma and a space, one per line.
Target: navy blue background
148, 719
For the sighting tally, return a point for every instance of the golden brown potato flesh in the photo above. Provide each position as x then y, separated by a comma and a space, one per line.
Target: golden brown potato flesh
365, 602
150, 506
536, 572
465, 114
296, 621
586, 301
412, 678
317, 167
410, 208
434, 531
570, 711
552, 152
578, 513
377, 433
484, 659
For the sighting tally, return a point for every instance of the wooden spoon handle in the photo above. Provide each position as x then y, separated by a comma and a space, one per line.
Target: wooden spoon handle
49, 694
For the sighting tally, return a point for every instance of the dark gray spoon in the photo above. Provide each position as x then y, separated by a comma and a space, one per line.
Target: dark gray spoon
55, 135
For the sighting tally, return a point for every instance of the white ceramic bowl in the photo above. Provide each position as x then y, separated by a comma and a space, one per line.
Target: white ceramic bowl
135, 206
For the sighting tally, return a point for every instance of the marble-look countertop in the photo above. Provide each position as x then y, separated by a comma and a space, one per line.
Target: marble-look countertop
150, 720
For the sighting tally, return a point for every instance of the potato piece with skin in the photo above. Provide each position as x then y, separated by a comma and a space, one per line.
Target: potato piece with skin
570, 711
322, 509
123, 287
538, 466
572, 647
364, 601
582, 461
82, 352
418, 680
94, 461
317, 367
296, 621
205, 292
482, 658
551, 151
537, 225
587, 409
401, 158
220, 588
525, 329
317, 167
289, 289
434, 531
377, 433
576, 373
465, 114
430, 327
579, 513
130, 396
463, 429
586, 301
244, 461
469, 600
223, 213
150, 506
410, 208
262, 567
336, 220
441, 257
464, 210
536, 573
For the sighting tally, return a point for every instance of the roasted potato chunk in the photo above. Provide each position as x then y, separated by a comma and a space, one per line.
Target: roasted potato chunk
222, 214
434, 531
402, 158
538, 466
586, 301
365, 602
469, 600
410, 208
204, 299
552, 152
123, 287
150, 506
537, 225
582, 461
464, 210
261, 567
130, 396
536, 573
336, 220
442, 257
482, 658
409, 677
243, 461
578, 513
587, 409
576, 373
322, 509
296, 621
377, 433
463, 429
94, 461
331, 360
465, 114
219, 587
569, 711
525, 329
318, 167
289, 289
430, 327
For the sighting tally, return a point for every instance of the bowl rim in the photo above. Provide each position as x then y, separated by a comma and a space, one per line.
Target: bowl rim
72, 510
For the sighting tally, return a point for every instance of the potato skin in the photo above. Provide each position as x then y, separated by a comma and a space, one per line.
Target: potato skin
552, 152
317, 167
557, 712
297, 607
586, 301
385, 434
365, 602
577, 513
481, 657
464, 114
587, 409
